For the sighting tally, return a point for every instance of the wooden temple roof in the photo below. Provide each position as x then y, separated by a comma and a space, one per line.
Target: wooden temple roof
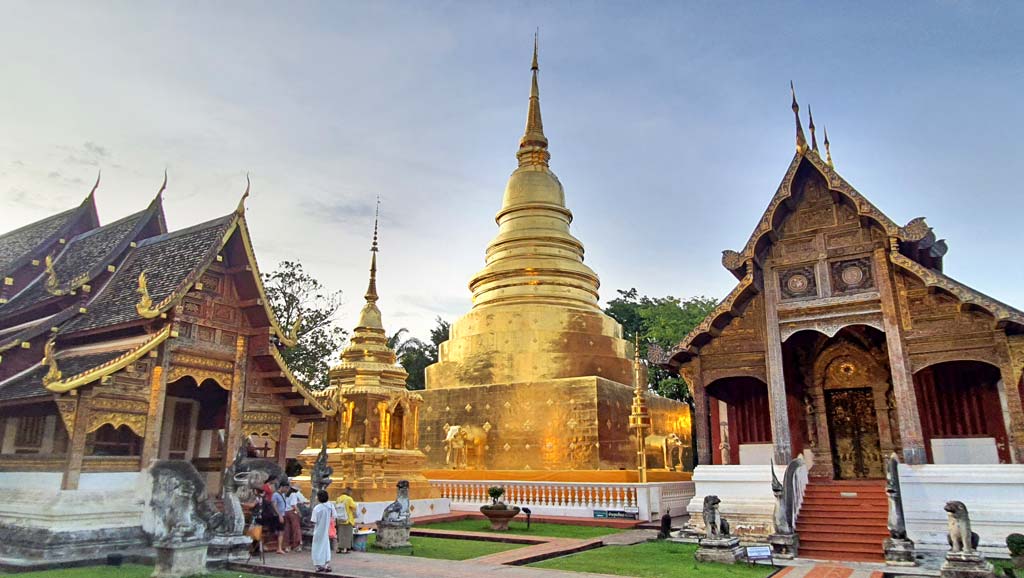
23, 245
85, 304
915, 250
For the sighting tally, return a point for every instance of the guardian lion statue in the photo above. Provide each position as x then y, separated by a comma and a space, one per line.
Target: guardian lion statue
177, 509
398, 511
715, 526
961, 538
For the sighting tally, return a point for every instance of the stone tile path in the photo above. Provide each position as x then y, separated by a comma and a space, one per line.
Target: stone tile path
367, 565
826, 571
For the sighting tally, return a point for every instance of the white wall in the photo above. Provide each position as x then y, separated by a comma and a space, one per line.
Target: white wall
745, 492
993, 494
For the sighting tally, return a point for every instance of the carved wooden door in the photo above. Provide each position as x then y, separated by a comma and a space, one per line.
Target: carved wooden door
853, 428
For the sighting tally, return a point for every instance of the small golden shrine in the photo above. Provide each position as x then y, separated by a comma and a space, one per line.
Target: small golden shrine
535, 376
372, 441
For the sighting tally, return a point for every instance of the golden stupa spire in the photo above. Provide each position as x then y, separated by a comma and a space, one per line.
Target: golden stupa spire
533, 146
639, 417
371, 290
814, 139
801, 140
828, 150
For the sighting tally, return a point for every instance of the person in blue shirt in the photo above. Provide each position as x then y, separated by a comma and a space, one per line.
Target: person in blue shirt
280, 508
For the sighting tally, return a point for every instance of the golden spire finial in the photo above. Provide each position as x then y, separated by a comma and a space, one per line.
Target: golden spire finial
163, 186
371, 290
241, 202
828, 150
801, 140
533, 146
814, 139
636, 361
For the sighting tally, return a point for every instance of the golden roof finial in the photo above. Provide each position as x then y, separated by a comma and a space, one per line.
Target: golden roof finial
814, 139
371, 290
50, 360
145, 305
801, 140
533, 146
52, 285
636, 361
241, 202
163, 187
828, 150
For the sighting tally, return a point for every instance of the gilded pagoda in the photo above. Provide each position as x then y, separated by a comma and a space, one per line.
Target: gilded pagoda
372, 440
535, 376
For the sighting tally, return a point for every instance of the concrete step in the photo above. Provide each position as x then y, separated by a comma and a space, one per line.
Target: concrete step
826, 544
830, 554
816, 528
843, 508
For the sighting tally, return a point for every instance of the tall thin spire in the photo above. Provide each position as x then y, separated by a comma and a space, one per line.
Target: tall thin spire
371, 290
801, 140
828, 150
533, 146
814, 139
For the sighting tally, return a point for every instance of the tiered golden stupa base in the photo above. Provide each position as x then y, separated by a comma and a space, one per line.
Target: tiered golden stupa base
372, 473
572, 424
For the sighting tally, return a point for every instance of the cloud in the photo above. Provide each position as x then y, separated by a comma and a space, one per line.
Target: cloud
90, 154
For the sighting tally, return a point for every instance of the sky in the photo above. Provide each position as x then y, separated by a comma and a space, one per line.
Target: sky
669, 126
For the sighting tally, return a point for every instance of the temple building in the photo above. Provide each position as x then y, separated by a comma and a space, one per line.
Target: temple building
121, 344
536, 376
372, 440
844, 342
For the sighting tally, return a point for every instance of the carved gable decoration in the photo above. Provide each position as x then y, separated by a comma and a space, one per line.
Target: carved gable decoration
798, 283
851, 276
845, 365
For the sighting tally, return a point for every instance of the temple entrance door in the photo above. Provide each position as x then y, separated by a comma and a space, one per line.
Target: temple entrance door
853, 427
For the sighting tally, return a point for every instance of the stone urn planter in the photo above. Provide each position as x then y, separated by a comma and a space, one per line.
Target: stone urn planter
498, 512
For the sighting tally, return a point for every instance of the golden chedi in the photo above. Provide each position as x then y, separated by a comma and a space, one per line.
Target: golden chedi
533, 376
372, 440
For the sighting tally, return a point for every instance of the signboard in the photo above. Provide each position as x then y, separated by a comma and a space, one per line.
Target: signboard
759, 552
615, 514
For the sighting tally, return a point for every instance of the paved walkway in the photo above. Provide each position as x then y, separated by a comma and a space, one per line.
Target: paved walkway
826, 571
367, 565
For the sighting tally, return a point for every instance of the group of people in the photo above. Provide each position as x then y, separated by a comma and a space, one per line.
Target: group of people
277, 517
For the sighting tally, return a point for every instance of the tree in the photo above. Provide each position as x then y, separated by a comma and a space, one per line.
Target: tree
660, 321
415, 355
295, 294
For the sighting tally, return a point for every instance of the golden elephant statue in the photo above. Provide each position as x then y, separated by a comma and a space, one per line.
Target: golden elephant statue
671, 447
461, 441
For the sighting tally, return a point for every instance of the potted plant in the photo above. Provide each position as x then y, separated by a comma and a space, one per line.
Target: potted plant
1015, 542
498, 512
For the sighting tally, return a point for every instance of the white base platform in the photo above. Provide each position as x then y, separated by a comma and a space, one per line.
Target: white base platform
370, 512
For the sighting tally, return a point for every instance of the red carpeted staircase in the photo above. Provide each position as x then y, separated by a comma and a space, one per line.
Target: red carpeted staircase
843, 520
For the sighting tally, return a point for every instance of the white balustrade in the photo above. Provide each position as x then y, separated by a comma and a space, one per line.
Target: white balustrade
572, 499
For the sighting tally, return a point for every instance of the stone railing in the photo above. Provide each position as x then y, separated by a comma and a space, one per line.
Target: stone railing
799, 485
572, 499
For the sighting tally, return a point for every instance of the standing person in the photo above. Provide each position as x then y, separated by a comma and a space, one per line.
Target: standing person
323, 521
346, 520
277, 511
293, 520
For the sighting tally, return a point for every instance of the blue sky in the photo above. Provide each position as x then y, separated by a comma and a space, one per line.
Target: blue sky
669, 126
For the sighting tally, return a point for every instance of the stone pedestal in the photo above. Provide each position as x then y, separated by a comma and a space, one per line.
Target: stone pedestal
180, 560
224, 549
966, 565
899, 552
393, 535
784, 546
722, 550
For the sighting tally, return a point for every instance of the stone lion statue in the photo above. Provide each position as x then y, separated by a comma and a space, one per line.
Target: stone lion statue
715, 526
177, 509
398, 511
961, 538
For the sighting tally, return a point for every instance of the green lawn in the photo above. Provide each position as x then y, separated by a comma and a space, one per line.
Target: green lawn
519, 527
126, 571
445, 548
651, 560
1001, 563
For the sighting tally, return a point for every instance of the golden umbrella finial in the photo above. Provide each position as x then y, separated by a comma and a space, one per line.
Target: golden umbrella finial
828, 150
533, 146
371, 290
814, 139
801, 140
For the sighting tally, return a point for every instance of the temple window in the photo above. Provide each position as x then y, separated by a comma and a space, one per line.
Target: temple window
110, 441
29, 439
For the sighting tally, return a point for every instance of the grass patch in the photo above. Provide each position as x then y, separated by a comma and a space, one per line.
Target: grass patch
126, 571
651, 560
445, 548
1001, 563
545, 530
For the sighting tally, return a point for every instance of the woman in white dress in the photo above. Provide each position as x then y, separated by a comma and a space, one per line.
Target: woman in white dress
323, 519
